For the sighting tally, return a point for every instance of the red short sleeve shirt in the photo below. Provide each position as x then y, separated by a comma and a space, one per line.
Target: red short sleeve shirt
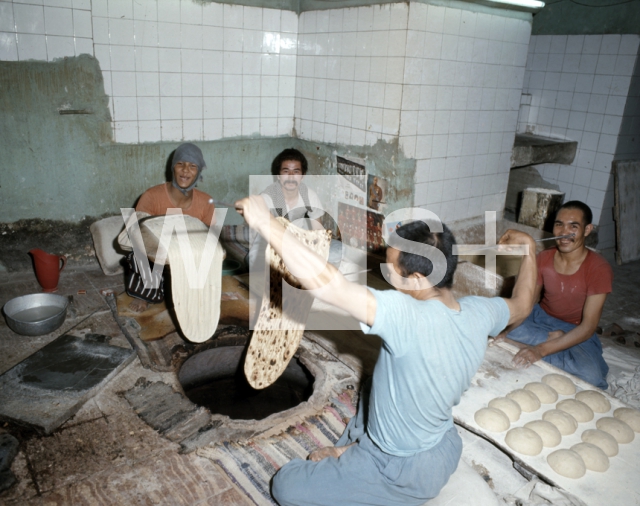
563, 296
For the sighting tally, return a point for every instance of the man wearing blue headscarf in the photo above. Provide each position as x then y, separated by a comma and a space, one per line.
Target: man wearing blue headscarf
187, 165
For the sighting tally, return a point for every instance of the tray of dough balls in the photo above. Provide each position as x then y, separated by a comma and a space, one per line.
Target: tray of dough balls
557, 426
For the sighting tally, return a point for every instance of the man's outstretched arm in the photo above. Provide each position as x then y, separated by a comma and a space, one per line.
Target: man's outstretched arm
315, 274
524, 292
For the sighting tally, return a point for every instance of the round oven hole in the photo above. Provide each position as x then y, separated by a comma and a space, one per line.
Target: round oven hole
215, 379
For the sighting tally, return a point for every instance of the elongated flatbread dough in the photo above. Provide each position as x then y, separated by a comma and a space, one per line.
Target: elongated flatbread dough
278, 331
197, 308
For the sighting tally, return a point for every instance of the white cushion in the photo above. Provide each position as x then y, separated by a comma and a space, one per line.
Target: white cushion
105, 234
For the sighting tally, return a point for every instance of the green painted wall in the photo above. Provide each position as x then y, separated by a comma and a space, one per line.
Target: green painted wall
588, 17
384, 159
67, 167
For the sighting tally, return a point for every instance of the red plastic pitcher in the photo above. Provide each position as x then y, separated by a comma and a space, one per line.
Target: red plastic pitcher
48, 269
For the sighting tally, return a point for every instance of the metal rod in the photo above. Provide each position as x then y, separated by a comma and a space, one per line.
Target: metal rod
567, 236
356, 272
219, 203
470, 249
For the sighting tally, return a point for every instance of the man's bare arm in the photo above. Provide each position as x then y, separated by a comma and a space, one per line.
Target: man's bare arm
511, 326
322, 279
524, 292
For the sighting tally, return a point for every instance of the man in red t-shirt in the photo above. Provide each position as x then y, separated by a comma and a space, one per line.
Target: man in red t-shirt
574, 283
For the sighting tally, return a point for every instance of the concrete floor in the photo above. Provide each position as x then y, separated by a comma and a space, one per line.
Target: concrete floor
106, 454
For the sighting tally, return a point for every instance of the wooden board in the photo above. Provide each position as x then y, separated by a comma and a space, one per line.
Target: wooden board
155, 322
497, 377
234, 302
627, 209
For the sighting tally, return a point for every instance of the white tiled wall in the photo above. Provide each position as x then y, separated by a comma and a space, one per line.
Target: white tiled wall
463, 81
350, 74
173, 70
629, 139
185, 70
447, 81
44, 29
579, 86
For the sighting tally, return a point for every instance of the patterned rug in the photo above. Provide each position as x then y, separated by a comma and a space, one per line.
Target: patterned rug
252, 464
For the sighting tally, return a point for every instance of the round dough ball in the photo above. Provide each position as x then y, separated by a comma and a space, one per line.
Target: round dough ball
545, 393
567, 463
617, 428
523, 440
564, 421
492, 419
527, 400
594, 458
603, 440
508, 406
560, 384
577, 409
629, 416
548, 432
595, 400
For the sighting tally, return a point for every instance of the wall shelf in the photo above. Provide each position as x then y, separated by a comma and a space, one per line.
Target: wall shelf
534, 149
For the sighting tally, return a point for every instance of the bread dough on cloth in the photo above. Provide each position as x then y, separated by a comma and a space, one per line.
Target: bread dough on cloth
544, 392
603, 440
560, 383
595, 400
508, 406
577, 409
617, 428
567, 463
524, 440
548, 432
195, 288
492, 419
594, 458
629, 416
279, 327
564, 421
528, 401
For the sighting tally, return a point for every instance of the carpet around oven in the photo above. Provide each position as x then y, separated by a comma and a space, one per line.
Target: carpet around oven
251, 465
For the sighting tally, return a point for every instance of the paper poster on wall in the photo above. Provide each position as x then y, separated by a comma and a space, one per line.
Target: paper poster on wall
375, 242
361, 228
352, 223
353, 171
376, 192
390, 228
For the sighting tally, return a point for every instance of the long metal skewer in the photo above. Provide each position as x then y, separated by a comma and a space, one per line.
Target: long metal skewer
470, 249
567, 236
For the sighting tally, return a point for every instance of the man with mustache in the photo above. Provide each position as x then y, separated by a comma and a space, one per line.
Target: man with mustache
574, 282
287, 197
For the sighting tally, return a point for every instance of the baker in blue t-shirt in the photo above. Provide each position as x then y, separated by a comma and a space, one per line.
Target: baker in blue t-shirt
402, 446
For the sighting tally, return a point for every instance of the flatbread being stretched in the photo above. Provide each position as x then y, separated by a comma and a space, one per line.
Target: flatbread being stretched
197, 308
278, 330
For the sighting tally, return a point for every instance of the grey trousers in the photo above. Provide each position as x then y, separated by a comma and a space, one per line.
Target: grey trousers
365, 475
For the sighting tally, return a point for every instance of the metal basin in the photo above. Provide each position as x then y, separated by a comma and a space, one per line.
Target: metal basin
36, 314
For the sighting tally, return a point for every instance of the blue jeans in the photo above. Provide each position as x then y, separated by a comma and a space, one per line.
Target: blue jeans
365, 475
583, 360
